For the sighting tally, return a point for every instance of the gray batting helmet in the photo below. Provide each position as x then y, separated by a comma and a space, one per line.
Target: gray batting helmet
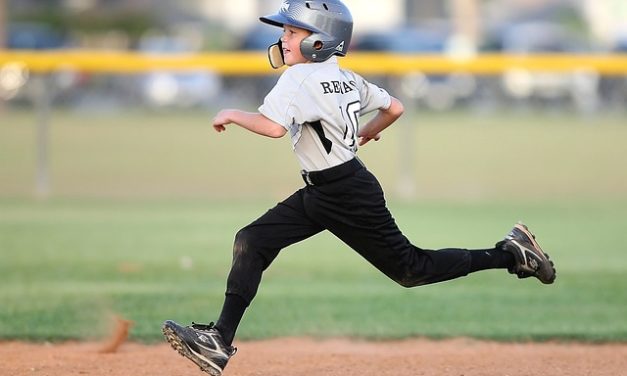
329, 21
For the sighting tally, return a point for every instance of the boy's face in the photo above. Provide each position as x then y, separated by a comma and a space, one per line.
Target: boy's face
291, 38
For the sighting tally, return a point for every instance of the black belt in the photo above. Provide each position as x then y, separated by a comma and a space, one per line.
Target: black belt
332, 174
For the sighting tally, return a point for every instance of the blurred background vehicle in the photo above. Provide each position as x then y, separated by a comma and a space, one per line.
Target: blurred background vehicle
15, 77
577, 88
33, 36
254, 88
176, 89
437, 92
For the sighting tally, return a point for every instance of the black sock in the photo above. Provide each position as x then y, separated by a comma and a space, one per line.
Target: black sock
232, 313
490, 259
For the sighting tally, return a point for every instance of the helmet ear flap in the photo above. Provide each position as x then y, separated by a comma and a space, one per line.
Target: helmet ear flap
275, 55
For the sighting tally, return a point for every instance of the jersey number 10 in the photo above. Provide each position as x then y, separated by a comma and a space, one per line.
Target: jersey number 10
351, 120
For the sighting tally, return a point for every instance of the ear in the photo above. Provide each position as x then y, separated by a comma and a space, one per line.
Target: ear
275, 55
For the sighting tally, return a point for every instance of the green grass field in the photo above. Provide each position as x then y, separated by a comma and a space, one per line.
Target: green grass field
144, 208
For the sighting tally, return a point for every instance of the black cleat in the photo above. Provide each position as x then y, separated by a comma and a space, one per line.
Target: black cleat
200, 343
531, 261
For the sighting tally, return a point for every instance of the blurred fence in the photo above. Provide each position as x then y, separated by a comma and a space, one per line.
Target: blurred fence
253, 63
586, 83
440, 82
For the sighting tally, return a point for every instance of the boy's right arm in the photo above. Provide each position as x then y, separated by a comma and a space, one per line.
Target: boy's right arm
383, 119
253, 121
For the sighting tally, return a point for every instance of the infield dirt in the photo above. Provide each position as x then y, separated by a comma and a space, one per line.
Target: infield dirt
341, 357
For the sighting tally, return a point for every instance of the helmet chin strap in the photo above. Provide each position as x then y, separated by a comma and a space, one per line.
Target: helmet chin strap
275, 55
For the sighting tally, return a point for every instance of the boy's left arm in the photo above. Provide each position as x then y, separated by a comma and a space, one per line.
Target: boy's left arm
372, 129
253, 121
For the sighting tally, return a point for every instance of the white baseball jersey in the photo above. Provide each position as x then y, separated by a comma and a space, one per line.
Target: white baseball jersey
320, 104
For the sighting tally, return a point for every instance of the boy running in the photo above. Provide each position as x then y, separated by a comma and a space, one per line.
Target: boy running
319, 105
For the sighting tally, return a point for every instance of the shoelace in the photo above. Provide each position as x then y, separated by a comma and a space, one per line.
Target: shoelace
211, 326
198, 326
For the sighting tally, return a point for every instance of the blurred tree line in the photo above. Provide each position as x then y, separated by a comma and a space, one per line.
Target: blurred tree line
124, 23
95, 21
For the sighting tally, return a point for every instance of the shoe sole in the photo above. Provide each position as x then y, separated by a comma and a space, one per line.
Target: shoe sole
541, 253
181, 347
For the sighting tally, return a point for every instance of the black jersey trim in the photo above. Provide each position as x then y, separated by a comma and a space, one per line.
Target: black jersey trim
317, 126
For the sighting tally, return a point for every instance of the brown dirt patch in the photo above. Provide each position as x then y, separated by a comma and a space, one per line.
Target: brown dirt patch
297, 356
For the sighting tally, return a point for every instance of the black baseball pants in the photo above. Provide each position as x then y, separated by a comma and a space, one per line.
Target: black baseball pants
353, 208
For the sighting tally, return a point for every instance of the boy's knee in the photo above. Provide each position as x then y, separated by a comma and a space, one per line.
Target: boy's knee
408, 279
243, 239
407, 282
249, 248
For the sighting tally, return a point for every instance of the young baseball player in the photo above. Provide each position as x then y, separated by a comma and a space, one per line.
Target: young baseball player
319, 105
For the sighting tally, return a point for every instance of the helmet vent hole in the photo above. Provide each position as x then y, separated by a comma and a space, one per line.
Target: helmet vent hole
308, 5
317, 45
325, 6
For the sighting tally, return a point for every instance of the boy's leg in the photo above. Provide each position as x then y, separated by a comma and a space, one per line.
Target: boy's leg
255, 247
363, 221
491, 259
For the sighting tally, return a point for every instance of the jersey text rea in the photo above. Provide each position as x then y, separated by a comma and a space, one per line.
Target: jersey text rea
338, 87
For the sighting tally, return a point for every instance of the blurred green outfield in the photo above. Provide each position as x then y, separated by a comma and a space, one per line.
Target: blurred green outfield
144, 207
